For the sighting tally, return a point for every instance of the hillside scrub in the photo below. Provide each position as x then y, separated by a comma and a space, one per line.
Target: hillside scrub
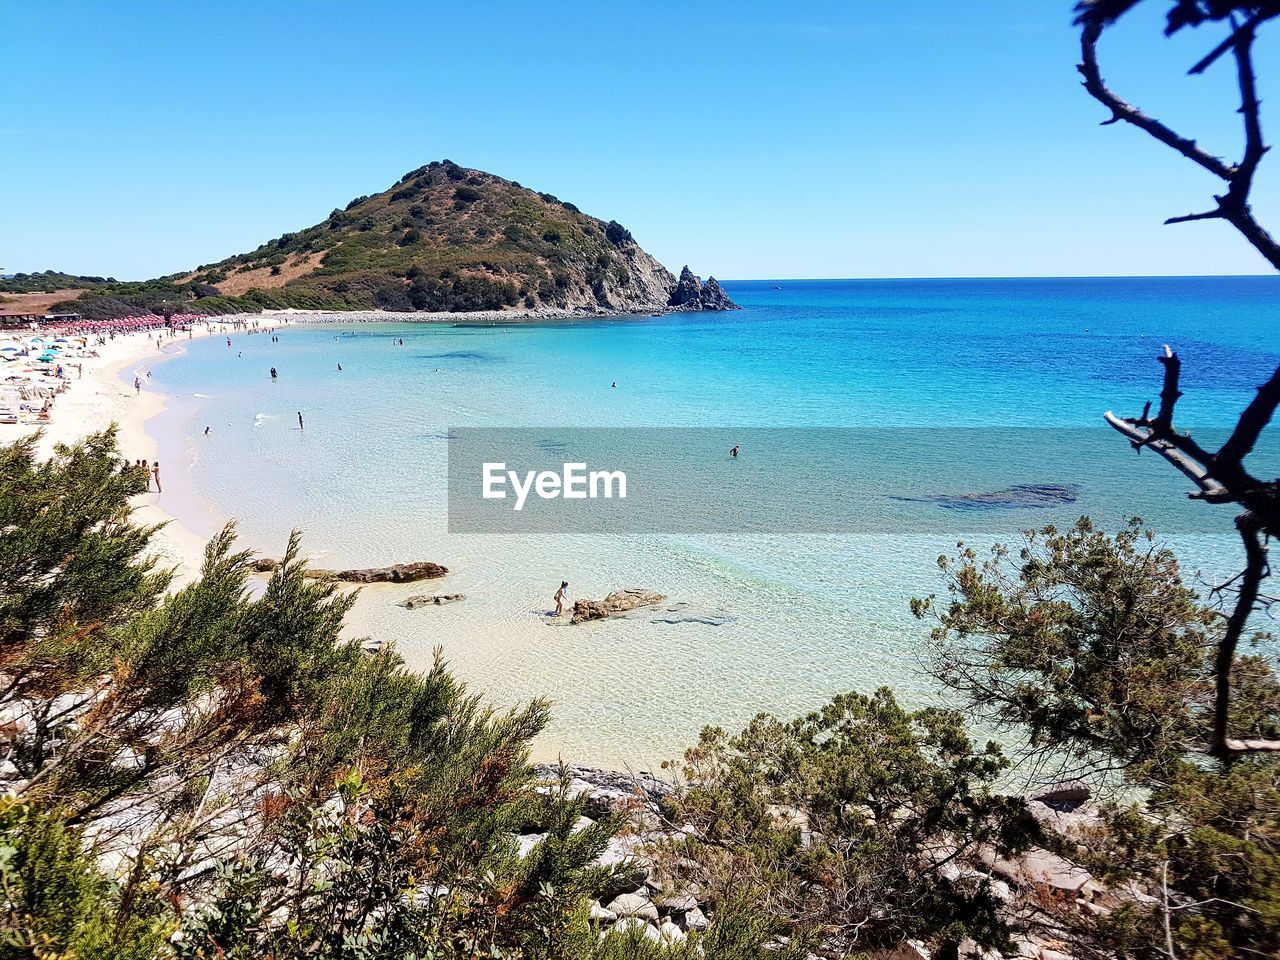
437, 218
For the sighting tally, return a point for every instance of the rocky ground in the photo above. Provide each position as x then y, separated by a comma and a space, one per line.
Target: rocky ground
647, 899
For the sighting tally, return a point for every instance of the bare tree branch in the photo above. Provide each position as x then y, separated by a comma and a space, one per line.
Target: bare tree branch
1221, 477
1233, 205
1255, 569
1215, 214
1120, 110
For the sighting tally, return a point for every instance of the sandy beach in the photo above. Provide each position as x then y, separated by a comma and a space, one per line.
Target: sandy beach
100, 395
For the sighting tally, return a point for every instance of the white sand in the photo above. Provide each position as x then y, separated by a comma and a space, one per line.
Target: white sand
103, 396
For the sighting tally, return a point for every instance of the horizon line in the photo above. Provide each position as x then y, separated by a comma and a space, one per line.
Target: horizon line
1028, 276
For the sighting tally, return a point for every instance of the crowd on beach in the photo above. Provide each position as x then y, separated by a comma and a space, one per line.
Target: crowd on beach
39, 361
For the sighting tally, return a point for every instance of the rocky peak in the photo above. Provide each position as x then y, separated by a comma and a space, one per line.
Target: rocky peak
690, 293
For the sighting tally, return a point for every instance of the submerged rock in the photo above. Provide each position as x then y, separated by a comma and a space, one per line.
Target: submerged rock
1064, 795
679, 613
614, 605
1018, 496
427, 600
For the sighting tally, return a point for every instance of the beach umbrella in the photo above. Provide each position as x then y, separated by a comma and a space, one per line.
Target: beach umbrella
61, 340
8, 349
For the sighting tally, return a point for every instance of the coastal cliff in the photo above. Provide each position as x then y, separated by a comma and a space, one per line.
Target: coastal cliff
443, 238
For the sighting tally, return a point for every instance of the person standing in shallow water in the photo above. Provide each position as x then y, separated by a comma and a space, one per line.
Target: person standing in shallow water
300, 420
155, 472
559, 598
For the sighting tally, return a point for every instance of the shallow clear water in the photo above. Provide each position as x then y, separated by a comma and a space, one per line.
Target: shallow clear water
807, 615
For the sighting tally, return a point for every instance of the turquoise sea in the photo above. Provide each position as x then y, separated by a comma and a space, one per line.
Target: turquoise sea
774, 621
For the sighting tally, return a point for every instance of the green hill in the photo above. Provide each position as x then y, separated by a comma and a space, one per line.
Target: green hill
442, 238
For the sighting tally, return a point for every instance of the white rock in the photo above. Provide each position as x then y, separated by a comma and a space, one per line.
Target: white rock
679, 903
696, 920
601, 914
633, 905
670, 932
627, 924
527, 841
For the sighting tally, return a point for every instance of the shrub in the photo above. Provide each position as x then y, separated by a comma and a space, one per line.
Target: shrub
617, 234
466, 194
551, 236
828, 819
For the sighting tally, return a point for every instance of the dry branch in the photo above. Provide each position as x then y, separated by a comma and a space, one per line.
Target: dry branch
1221, 477
1233, 205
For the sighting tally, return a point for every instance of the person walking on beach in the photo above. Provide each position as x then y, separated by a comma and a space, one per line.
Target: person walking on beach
146, 472
155, 472
137, 386
300, 427
559, 598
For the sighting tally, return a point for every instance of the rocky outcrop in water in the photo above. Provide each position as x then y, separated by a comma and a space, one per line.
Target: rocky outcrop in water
690, 293
614, 605
396, 573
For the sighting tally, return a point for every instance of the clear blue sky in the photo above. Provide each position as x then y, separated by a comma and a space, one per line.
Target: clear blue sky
750, 140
